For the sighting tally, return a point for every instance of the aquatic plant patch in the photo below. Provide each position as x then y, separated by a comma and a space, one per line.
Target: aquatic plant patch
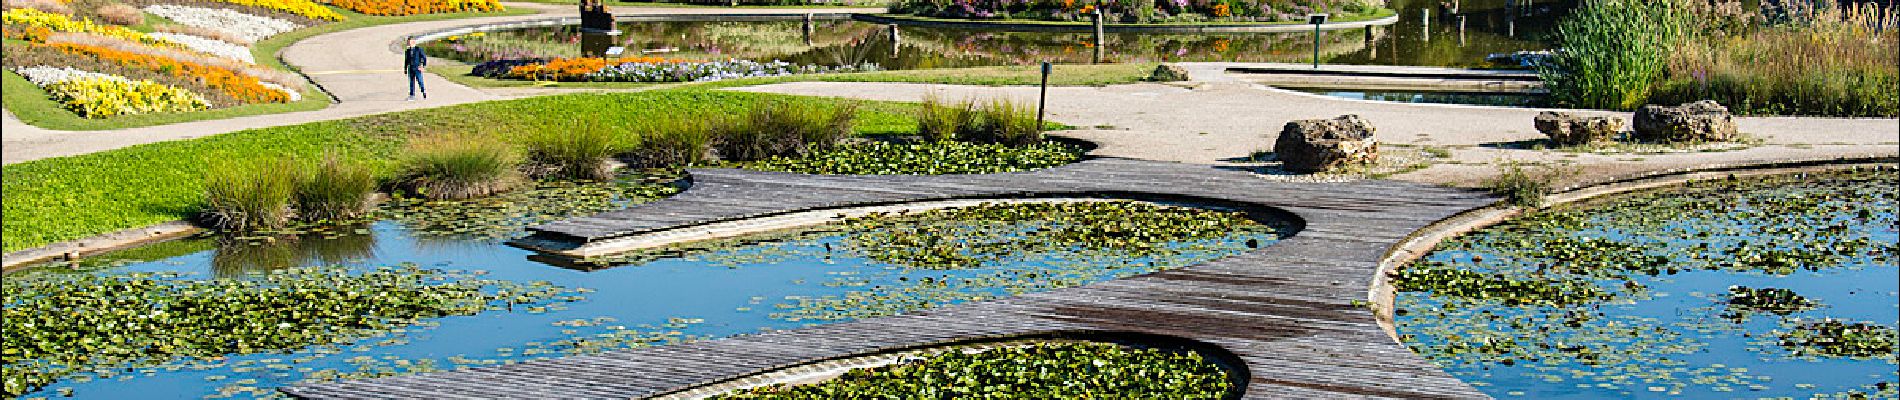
1685, 291
503, 216
928, 158
59, 325
1054, 371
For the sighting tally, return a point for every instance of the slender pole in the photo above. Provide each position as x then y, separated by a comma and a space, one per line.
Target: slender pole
1315, 44
1042, 100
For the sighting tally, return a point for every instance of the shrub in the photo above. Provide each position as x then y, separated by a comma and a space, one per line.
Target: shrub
120, 14
577, 149
448, 167
1612, 52
939, 121
1005, 122
785, 129
246, 197
673, 142
335, 190
1519, 186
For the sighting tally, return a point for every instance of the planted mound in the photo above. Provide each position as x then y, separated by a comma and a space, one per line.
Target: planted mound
936, 158
59, 325
1044, 371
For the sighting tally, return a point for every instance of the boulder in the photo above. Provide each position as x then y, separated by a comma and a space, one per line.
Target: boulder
1169, 73
1315, 145
1567, 129
1702, 121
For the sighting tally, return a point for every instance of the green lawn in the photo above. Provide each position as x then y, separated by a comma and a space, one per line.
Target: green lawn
30, 104
66, 198
1063, 75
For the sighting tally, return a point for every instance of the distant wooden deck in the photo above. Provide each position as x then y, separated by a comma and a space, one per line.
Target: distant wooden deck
1286, 310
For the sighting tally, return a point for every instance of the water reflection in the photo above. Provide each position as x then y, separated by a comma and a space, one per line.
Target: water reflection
236, 257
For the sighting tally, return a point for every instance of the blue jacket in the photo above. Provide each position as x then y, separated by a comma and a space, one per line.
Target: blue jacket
413, 59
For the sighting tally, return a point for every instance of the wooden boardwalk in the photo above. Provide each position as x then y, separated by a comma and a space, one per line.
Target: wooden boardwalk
1287, 310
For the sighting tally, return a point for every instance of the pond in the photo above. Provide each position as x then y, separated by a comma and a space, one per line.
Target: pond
1490, 26
859, 268
1401, 96
1757, 287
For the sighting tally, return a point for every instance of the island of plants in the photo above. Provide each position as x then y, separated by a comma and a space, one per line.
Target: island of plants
1049, 370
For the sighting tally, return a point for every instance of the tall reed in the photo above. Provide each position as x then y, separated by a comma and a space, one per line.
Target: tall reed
785, 129
249, 196
1829, 60
672, 143
458, 166
1611, 52
334, 189
1003, 121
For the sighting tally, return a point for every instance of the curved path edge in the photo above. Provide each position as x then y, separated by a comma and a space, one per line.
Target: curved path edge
1292, 312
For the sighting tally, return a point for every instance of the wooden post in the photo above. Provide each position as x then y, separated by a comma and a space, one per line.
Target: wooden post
809, 28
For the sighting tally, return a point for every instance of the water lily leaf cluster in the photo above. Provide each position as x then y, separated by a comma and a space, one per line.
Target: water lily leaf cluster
924, 158
1601, 298
1040, 371
964, 236
505, 215
59, 325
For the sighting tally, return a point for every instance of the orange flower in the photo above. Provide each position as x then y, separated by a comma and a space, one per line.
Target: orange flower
1088, 9
244, 88
566, 69
1221, 10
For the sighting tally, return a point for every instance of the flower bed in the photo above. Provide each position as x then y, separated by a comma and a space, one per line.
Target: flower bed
250, 27
243, 88
210, 46
414, 7
304, 8
647, 69
35, 25
1136, 11
96, 95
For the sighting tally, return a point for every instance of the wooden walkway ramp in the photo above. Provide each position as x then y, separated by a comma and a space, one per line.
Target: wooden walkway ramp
1287, 310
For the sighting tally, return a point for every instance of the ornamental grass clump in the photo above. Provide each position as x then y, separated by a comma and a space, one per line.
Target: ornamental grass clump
1002, 121
458, 166
1519, 186
785, 129
248, 197
335, 189
672, 143
578, 149
938, 121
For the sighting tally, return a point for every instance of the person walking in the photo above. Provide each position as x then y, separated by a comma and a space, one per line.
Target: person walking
412, 62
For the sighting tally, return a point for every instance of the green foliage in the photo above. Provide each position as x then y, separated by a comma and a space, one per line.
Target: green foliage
1838, 339
63, 324
459, 166
932, 158
1519, 186
1827, 62
577, 149
250, 196
336, 189
1613, 51
1743, 300
1043, 371
784, 129
504, 215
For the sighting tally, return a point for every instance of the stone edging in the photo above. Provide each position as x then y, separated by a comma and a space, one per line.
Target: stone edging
1382, 295
906, 20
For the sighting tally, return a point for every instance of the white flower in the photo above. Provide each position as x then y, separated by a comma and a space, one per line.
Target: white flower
44, 76
294, 96
209, 46
250, 27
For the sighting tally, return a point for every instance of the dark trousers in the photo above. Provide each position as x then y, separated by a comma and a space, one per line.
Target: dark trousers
415, 83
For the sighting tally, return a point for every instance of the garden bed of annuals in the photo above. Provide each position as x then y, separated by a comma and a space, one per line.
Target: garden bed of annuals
647, 69
104, 59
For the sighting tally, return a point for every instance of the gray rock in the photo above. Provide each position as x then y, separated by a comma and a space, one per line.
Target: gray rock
1315, 145
1702, 121
1567, 129
1169, 73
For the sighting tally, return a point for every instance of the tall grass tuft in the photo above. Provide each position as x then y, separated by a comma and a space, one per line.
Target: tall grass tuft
938, 121
785, 129
1005, 122
1833, 61
458, 166
336, 189
1519, 186
578, 149
1612, 52
250, 196
672, 143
